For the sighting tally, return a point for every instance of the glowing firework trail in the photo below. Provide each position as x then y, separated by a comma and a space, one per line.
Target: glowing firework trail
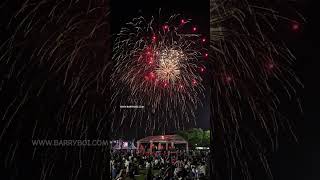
52, 61
158, 65
51, 64
248, 66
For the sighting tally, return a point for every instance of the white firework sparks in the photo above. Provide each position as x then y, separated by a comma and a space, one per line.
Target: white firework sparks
169, 65
159, 68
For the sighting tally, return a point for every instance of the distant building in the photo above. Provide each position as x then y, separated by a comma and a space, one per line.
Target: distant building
161, 142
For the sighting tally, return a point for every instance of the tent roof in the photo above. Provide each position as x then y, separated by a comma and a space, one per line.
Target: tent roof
163, 138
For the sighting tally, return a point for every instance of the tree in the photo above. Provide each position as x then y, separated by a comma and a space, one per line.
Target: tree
196, 137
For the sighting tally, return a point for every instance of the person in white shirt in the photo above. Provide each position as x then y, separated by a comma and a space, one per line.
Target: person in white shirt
202, 169
176, 171
156, 162
127, 164
148, 165
162, 161
197, 172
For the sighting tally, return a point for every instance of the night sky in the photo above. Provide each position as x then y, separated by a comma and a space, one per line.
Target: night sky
199, 13
293, 160
301, 160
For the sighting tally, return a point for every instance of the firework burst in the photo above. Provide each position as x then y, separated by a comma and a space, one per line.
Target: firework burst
51, 60
159, 66
251, 73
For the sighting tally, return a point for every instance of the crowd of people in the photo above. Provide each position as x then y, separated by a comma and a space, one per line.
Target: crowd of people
159, 165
